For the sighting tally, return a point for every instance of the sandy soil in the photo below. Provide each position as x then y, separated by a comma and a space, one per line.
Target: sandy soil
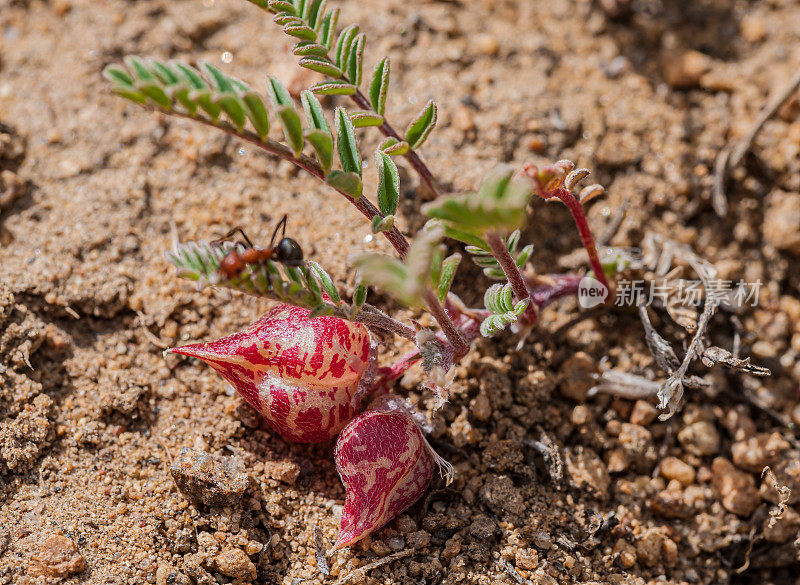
91, 414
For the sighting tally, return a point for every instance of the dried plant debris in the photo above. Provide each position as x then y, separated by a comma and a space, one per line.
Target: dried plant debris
716, 355
623, 384
659, 255
319, 552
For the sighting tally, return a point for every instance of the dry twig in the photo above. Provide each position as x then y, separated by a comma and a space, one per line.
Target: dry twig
730, 156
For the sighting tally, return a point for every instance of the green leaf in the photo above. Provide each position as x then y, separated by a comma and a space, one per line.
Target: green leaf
180, 92
360, 296
191, 75
276, 5
421, 126
348, 183
221, 81
309, 49
379, 86
203, 97
448, 273
139, 69
153, 91
394, 147
313, 110
388, 183
355, 60
523, 256
321, 310
325, 281
315, 11
118, 76
322, 142
256, 112
292, 128
333, 88
286, 18
346, 143
300, 31
278, 93
303, 7
232, 105
389, 275
321, 65
467, 238
327, 31
343, 45
498, 206
382, 224
364, 118
163, 72
129, 94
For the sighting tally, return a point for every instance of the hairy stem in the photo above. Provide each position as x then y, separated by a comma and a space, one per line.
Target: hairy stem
454, 336
585, 231
373, 317
413, 158
561, 285
513, 274
306, 163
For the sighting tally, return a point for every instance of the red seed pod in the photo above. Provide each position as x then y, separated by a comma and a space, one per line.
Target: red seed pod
385, 464
303, 375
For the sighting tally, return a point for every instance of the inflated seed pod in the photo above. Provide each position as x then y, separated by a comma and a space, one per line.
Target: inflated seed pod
303, 375
385, 464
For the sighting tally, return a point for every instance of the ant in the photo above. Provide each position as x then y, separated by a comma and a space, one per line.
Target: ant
287, 252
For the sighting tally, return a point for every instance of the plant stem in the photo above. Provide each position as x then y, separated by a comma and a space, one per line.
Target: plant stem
585, 231
513, 274
413, 158
454, 336
306, 163
373, 317
563, 285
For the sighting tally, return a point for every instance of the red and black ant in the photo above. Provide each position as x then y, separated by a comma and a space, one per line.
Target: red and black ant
287, 251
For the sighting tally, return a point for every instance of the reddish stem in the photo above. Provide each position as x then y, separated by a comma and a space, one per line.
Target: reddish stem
413, 158
513, 275
585, 231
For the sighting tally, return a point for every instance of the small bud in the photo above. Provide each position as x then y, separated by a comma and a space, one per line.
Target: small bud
303, 375
575, 177
385, 464
590, 192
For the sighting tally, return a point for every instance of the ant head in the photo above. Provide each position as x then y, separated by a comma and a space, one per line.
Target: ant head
289, 252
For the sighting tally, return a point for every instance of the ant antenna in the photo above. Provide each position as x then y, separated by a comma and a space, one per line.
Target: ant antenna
280, 226
230, 233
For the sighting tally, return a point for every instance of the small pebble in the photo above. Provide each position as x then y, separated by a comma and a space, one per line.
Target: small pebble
283, 471
208, 479
643, 413
781, 218
757, 452
575, 376
486, 44
674, 468
700, 438
586, 469
735, 489
234, 563
684, 70
53, 554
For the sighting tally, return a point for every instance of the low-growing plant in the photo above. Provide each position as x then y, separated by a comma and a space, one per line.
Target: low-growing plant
309, 366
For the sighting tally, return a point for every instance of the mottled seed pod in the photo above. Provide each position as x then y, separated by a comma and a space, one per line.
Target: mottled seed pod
303, 375
385, 464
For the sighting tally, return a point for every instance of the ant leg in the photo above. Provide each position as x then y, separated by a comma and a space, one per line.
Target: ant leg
230, 233
281, 225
